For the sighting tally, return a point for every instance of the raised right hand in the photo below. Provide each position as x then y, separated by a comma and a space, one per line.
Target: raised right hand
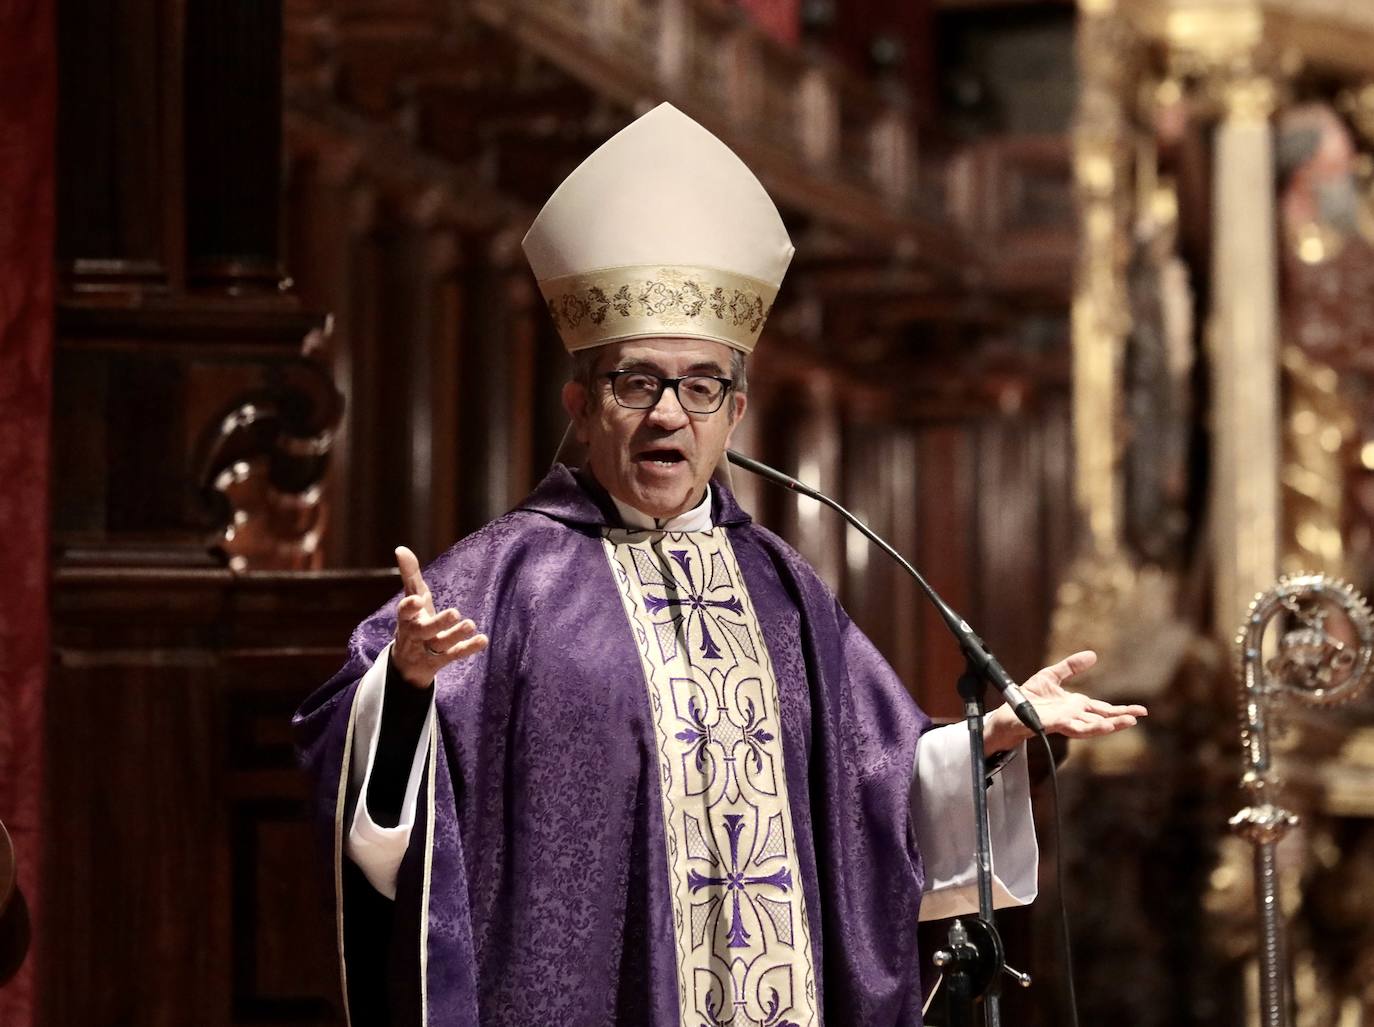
425, 640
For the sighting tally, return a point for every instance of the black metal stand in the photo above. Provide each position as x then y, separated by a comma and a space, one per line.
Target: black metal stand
973, 960
969, 965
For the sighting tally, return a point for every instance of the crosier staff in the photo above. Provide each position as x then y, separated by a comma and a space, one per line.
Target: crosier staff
1316, 666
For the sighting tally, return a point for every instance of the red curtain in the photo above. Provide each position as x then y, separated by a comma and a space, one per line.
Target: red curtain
28, 92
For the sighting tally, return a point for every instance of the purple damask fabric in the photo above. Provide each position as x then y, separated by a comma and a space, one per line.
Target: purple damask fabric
550, 899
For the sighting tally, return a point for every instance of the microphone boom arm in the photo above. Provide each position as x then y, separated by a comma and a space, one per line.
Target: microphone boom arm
982, 662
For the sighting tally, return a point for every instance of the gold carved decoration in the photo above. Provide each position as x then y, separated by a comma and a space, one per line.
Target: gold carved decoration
1125, 612
1357, 104
1285, 438
1318, 431
1108, 600
1100, 314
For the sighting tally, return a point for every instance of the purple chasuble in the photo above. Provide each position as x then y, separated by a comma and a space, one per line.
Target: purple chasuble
535, 888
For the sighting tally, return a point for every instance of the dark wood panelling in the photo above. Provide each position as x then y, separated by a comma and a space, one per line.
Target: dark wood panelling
867, 581
404, 389
365, 417
280, 972
233, 142
878, 38
1016, 193
496, 466
805, 424
903, 475
1012, 598
138, 865
444, 446
192, 888
115, 138
945, 555
1057, 517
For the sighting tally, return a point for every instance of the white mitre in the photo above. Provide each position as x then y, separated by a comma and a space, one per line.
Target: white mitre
661, 232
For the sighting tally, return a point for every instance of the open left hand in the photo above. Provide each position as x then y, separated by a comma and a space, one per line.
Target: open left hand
1072, 714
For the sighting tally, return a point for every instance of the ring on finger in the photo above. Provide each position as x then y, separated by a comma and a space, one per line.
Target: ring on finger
432, 651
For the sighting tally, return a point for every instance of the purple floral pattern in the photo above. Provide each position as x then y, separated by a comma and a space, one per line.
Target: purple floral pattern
743, 942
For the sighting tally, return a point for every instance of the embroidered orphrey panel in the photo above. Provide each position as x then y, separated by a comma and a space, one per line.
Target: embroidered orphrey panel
743, 942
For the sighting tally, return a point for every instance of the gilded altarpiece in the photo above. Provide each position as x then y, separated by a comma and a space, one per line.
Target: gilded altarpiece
1223, 324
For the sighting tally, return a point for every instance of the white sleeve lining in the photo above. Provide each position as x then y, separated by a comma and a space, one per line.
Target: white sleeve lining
378, 850
942, 817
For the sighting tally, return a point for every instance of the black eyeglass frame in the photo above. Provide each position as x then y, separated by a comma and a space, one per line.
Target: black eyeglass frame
664, 384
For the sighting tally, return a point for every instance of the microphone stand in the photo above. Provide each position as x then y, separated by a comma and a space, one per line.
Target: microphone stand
973, 959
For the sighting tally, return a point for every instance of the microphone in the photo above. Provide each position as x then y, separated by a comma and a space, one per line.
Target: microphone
982, 661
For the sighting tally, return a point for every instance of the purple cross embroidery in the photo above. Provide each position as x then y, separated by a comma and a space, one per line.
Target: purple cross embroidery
694, 603
736, 880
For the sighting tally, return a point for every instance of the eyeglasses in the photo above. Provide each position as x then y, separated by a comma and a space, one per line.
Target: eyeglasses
640, 390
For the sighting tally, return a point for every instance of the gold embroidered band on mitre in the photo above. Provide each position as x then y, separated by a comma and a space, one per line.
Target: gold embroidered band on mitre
658, 300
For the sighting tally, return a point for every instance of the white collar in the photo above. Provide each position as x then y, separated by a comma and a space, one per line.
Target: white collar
696, 519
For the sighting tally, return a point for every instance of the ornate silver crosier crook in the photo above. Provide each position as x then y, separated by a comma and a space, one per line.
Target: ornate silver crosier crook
1316, 663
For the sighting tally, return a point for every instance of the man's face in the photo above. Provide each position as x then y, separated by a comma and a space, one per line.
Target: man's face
656, 460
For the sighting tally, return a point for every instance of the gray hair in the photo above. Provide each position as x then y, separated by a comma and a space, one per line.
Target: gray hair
585, 361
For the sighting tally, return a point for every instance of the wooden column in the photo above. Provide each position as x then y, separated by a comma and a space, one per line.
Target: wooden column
327, 209
908, 604
121, 217
1013, 586
869, 574
233, 142
445, 444
501, 345
817, 533
945, 553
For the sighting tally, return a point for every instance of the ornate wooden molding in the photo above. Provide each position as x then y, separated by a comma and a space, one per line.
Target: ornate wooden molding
197, 433
1015, 195
264, 466
1110, 600
358, 149
450, 87
821, 141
